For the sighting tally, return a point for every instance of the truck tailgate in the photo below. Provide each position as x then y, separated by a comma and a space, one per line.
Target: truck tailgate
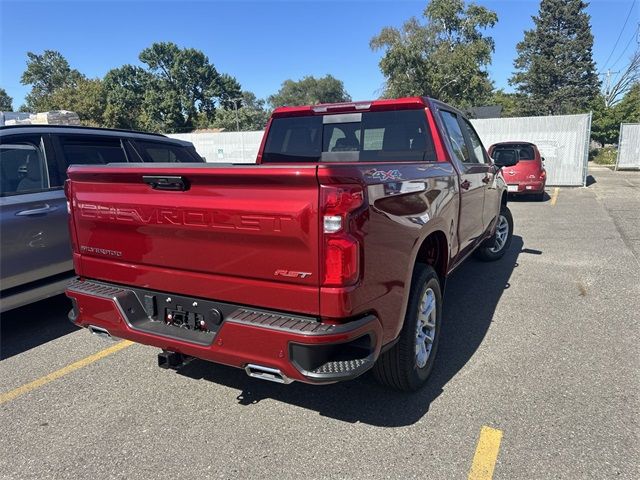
235, 233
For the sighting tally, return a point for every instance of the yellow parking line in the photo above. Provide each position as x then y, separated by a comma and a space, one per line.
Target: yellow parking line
554, 197
5, 397
484, 460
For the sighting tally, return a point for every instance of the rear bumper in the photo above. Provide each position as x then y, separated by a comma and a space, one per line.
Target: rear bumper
526, 188
301, 347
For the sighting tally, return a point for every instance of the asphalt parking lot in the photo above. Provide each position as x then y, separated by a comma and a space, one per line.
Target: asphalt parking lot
542, 347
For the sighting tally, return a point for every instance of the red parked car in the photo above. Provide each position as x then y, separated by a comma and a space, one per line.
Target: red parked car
528, 176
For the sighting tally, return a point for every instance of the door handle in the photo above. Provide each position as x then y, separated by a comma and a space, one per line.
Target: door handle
40, 210
465, 185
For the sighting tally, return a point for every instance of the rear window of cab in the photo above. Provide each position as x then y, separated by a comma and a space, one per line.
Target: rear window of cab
388, 136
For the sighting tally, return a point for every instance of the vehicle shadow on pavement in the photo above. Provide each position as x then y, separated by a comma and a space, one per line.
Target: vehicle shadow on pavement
24, 328
524, 198
473, 292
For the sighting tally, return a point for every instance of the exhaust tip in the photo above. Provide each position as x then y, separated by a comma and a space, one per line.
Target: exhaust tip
101, 332
267, 373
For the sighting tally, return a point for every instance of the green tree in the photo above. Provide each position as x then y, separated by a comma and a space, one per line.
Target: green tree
554, 66
125, 88
46, 73
310, 91
86, 98
185, 86
511, 103
445, 57
629, 107
605, 122
6, 102
251, 114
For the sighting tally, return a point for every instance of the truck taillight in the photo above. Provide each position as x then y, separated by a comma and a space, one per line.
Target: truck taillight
341, 247
67, 194
70, 223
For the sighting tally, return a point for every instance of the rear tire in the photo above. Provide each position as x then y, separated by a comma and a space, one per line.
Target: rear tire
408, 364
495, 248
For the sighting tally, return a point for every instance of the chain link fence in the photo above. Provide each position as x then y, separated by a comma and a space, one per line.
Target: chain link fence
224, 147
629, 147
563, 141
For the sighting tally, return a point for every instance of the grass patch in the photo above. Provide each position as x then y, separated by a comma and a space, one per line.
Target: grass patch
604, 156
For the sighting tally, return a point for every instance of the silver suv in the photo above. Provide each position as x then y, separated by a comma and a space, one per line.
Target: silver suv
35, 256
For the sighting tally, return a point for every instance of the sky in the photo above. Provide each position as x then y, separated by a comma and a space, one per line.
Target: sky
263, 43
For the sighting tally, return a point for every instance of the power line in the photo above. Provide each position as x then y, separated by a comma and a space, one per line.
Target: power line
620, 35
627, 47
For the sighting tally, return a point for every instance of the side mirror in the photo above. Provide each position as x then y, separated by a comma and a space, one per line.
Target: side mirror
506, 157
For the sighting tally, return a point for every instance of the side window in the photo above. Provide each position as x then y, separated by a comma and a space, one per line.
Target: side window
22, 166
455, 136
475, 144
132, 153
164, 152
91, 150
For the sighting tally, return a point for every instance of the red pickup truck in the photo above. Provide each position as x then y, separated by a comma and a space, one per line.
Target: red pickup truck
326, 259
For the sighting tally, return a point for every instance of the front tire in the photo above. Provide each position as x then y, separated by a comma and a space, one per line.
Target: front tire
408, 364
496, 247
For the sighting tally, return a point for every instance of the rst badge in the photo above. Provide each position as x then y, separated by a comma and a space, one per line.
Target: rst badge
291, 274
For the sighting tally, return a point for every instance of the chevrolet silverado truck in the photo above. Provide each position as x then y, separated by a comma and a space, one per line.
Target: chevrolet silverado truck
327, 258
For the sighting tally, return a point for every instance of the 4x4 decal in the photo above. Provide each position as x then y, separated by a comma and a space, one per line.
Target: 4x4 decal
384, 174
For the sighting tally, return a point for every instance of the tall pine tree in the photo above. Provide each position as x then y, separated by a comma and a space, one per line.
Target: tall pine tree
554, 67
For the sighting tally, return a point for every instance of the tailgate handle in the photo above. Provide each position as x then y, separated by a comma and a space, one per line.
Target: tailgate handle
164, 182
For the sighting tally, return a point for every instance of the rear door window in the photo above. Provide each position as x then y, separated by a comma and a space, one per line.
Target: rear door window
159, 152
368, 137
455, 135
23, 167
92, 150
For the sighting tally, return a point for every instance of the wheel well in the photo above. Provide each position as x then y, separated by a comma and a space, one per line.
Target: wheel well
503, 200
434, 251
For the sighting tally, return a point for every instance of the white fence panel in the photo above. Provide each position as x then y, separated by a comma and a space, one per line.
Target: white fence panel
629, 147
563, 141
224, 147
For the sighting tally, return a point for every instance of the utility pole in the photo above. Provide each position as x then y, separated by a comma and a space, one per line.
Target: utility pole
235, 106
607, 84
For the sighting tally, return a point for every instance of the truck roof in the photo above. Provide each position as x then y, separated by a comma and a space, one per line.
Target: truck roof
404, 103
